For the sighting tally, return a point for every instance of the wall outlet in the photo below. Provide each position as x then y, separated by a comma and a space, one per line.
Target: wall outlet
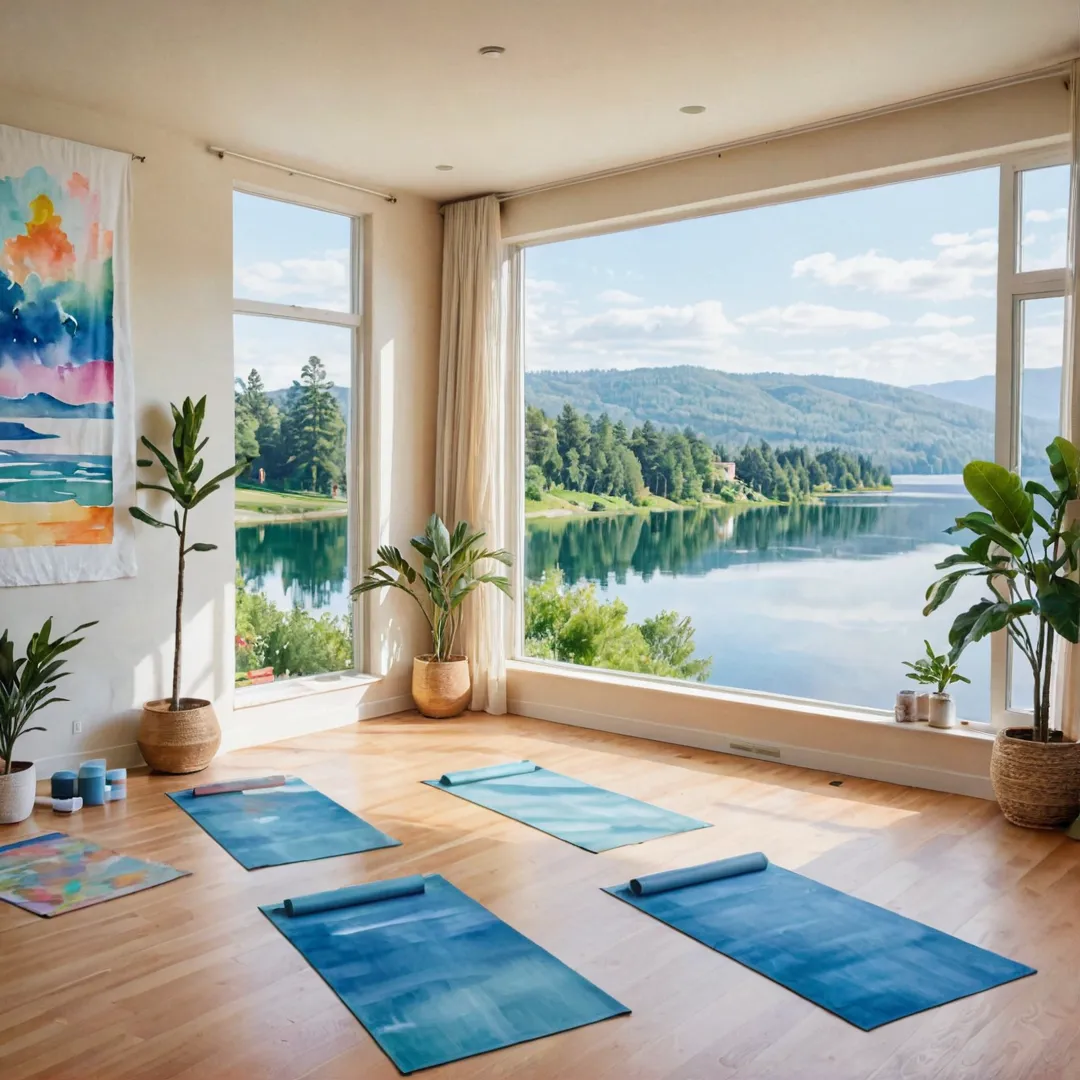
76, 727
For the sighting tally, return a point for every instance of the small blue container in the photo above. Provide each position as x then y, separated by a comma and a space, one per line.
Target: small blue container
92, 785
65, 784
117, 781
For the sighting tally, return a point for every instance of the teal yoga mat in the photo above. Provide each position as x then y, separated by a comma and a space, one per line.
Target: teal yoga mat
286, 823
866, 964
586, 816
433, 975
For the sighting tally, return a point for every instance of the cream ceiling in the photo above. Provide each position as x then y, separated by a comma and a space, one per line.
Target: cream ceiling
382, 92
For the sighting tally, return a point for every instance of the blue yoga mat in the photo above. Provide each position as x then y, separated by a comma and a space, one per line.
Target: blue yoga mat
432, 974
271, 826
862, 962
586, 816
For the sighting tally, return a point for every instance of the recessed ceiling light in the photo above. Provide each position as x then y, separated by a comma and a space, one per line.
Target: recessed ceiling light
693, 110
445, 168
492, 50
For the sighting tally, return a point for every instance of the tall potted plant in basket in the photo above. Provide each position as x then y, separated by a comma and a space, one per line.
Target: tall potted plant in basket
449, 573
27, 686
179, 734
1025, 553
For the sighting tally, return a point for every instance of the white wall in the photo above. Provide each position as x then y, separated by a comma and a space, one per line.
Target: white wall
181, 272
944, 135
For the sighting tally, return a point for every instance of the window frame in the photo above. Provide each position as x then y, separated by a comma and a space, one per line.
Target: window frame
1012, 287
353, 320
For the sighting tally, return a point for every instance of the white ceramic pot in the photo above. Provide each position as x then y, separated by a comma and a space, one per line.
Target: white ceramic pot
942, 711
17, 790
922, 706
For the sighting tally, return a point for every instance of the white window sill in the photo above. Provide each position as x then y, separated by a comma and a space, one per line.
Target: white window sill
248, 697
751, 698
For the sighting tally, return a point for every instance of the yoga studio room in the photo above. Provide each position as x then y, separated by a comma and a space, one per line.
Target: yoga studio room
540, 540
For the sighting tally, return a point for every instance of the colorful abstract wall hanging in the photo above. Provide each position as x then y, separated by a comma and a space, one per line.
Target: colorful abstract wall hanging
67, 438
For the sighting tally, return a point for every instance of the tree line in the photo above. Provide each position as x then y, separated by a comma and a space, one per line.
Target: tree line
591, 454
299, 445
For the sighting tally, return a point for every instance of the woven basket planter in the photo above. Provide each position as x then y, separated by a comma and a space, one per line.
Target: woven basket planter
441, 688
17, 791
1036, 784
184, 741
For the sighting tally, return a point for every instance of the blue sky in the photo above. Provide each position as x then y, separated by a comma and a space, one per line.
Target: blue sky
894, 283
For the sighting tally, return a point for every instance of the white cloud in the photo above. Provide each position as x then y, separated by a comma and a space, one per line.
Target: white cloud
540, 287
804, 318
951, 239
914, 358
618, 296
1042, 216
309, 282
934, 320
964, 267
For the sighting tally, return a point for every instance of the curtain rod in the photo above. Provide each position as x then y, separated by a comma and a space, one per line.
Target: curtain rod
784, 133
223, 153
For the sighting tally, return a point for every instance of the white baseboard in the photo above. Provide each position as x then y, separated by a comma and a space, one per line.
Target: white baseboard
124, 756
893, 772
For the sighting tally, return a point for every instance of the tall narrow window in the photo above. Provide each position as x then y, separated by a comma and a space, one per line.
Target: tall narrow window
295, 347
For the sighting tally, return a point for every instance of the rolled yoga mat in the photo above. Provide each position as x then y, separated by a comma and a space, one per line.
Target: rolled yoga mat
435, 977
223, 787
866, 964
589, 817
277, 825
369, 893
651, 884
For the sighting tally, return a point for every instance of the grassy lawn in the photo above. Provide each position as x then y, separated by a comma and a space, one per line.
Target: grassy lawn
260, 501
581, 502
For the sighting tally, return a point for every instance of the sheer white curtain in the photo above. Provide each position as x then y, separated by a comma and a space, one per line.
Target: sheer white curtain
1069, 655
473, 443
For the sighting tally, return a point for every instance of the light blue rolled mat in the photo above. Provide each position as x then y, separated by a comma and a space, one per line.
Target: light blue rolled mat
651, 884
352, 895
490, 772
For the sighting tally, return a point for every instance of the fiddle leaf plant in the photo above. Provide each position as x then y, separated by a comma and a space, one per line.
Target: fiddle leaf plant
1025, 555
28, 683
449, 572
183, 470
935, 669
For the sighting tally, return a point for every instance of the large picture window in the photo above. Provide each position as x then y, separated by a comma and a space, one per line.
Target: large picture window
295, 328
744, 433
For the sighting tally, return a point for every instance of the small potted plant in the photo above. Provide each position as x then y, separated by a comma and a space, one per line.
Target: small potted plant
27, 685
178, 734
441, 686
938, 670
1025, 554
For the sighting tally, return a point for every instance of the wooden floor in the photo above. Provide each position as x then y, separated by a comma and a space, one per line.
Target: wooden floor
189, 980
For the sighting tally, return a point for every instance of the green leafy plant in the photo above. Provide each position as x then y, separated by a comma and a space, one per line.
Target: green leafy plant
447, 575
935, 669
1025, 555
28, 684
182, 474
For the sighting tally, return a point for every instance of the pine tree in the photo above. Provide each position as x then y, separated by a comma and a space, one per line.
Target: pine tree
314, 430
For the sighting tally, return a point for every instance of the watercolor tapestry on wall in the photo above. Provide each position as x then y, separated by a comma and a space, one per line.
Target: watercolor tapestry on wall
67, 441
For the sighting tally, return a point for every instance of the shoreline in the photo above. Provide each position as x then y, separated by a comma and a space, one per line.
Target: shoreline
256, 517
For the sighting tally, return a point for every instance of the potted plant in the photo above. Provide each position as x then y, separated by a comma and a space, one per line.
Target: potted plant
1024, 553
27, 685
441, 685
938, 670
178, 734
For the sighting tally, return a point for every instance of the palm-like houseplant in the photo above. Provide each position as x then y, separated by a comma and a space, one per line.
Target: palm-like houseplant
27, 686
451, 569
1025, 553
178, 734
939, 670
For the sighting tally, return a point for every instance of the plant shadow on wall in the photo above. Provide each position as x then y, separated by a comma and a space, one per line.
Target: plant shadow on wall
180, 735
451, 570
1024, 552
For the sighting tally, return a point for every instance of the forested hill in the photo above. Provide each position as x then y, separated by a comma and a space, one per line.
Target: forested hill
907, 430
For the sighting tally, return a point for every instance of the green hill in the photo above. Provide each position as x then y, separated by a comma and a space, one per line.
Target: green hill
908, 430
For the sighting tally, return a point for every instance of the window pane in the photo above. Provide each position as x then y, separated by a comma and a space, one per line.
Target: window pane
1041, 337
289, 254
293, 612
1044, 202
797, 387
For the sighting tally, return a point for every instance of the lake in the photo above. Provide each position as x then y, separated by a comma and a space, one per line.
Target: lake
817, 601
